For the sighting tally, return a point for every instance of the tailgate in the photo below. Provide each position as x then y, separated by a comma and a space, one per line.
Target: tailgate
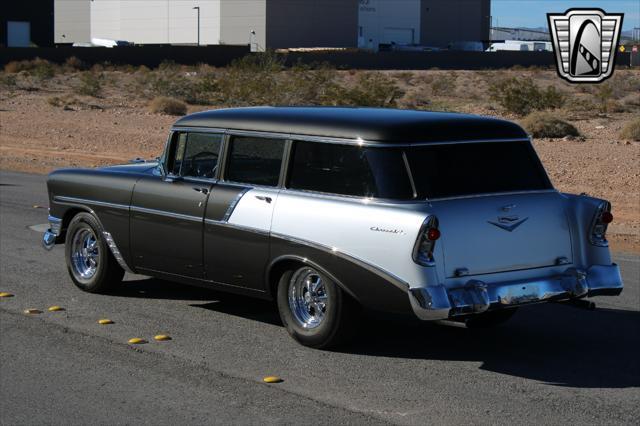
487, 234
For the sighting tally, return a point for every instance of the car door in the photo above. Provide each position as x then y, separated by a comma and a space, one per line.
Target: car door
239, 212
167, 211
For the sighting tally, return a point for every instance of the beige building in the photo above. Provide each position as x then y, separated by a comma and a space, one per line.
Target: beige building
261, 23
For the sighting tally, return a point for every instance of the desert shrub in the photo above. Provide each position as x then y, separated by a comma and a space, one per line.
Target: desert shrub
443, 84
73, 63
631, 131
8, 81
251, 80
90, 84
307, 85
39, 68
372, 89
604, 96
170, 106
543, 124
522, 96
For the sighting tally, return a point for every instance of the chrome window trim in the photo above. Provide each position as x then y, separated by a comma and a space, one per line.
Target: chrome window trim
329, 139
491, 194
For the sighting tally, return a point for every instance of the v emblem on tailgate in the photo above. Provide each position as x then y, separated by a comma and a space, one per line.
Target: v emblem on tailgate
508, 223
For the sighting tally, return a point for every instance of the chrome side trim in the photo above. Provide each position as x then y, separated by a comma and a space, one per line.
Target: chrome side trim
233, 204
235, 226
166, 214
116, 253
394, 279
74, 200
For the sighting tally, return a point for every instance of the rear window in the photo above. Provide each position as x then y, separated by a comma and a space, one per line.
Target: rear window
451, 170
350, 170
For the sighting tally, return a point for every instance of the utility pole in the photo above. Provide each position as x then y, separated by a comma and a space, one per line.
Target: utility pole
198, 9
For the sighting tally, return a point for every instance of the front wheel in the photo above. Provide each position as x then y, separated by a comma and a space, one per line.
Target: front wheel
91, 265
314, 310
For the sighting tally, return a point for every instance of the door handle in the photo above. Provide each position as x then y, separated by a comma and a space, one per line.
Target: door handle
264, 198
203, 190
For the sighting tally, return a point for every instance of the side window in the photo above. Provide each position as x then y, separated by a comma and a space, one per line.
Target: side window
350, 170
201, 155
195, 155
255, 160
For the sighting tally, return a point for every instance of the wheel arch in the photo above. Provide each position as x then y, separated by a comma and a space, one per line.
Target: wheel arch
285, 262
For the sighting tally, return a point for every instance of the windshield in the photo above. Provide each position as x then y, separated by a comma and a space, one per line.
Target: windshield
458, 169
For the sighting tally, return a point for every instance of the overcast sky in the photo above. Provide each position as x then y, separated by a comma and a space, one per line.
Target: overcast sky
533, 13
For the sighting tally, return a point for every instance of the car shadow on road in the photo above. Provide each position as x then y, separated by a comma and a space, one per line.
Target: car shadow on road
227, 303
551, 343
554, 344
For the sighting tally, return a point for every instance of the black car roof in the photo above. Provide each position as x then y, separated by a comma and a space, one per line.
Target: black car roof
368, 124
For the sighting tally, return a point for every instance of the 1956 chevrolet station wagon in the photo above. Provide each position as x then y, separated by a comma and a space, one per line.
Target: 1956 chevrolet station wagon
327, 210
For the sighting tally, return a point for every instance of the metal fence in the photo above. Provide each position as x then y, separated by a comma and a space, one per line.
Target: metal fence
152, 56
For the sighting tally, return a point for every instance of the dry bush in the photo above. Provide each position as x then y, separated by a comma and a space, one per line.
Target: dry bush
443, 84
39, 68
631, 130
8, 81
542, 124
90, 84
371, 89
170, 106
75, 64
521, 96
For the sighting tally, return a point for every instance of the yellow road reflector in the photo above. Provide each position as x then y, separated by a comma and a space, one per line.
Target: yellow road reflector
32, 311
56, 308
272, 379
162, 337
5, 294
137, 341
105, 321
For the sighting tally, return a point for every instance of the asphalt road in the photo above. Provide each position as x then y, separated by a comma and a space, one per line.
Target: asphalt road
551, 364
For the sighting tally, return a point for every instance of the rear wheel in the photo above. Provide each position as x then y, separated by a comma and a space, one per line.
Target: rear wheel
490, 319
90, 263
314, 310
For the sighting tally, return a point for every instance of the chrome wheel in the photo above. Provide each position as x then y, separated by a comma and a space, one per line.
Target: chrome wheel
85, 253
307, 298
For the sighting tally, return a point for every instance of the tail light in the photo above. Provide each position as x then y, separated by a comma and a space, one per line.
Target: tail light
426, 242
601, 220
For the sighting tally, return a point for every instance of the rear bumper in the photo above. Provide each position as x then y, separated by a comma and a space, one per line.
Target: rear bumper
439, 302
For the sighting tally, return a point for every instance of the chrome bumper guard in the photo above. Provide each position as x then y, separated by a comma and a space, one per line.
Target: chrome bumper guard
51, 235
439, 302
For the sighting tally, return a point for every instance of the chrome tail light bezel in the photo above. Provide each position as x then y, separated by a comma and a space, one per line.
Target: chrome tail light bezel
598, 228
423, 248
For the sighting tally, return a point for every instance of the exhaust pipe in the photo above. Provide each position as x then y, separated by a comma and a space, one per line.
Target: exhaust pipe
581, 303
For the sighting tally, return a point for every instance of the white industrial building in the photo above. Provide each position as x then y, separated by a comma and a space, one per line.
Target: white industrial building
261, 23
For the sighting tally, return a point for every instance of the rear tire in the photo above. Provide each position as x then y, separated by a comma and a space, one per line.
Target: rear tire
91, 265
490, 319
315, 311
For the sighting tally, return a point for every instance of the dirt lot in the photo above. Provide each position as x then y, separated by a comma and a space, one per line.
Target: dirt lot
46, 124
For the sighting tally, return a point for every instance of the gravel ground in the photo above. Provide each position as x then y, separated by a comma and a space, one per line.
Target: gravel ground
38, 137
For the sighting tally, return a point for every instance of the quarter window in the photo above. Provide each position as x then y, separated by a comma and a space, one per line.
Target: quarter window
255, 160
350, 170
